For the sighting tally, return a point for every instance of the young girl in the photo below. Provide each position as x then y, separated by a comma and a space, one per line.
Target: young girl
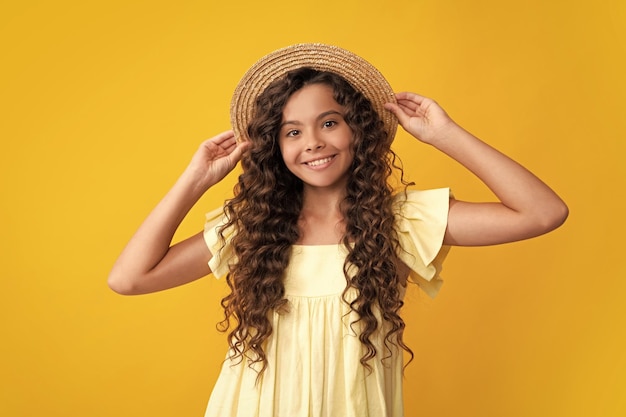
315, 245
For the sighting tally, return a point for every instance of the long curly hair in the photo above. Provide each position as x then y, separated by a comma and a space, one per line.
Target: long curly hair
264, 217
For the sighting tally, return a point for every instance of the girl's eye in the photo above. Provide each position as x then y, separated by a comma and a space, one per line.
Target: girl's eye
329, 123
293, 133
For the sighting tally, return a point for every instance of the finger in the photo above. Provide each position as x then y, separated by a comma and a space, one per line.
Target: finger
409, 108
407, 95
238, 152
223, 137
228, 147
400, 113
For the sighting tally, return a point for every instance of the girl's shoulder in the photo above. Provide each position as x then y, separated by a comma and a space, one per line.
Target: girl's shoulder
421, 218
415, 202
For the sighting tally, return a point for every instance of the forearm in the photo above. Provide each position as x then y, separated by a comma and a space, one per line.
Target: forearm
527, 206
515, 186
151, 242
148, 263
534, 207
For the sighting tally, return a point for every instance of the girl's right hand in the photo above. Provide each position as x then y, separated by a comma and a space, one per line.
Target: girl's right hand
215, 158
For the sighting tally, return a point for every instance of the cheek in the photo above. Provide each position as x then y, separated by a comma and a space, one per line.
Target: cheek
287, 154
349, 135
351, 143
283, 150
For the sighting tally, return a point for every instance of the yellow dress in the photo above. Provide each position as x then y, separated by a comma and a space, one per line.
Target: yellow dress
313, 354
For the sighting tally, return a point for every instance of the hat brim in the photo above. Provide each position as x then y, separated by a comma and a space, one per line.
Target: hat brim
362, 75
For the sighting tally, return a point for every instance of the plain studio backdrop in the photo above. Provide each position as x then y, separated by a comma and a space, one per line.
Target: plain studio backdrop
104, 102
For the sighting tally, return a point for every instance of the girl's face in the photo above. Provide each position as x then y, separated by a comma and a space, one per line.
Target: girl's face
314, 139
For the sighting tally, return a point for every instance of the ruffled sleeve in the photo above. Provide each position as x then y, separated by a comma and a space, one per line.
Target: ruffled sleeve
223, 254
421, 222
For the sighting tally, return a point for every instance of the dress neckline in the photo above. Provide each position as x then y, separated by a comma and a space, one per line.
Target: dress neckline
317, 246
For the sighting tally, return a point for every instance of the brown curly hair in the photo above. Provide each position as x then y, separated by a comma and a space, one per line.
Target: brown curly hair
264, 217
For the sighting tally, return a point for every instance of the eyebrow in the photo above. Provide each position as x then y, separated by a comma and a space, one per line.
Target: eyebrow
321, 116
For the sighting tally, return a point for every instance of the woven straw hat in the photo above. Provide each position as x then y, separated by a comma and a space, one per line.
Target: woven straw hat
362, 75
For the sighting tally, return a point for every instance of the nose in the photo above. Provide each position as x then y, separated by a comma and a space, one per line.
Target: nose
314, 142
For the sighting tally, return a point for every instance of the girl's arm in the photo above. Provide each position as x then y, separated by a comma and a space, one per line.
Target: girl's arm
527, 206
148, 263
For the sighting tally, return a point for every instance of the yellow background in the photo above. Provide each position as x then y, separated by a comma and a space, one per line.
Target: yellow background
103, 103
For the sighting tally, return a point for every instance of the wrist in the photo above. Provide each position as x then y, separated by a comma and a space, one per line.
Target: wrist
445, 135
194, 183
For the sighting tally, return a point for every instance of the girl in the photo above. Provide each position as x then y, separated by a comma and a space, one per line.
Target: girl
315, 245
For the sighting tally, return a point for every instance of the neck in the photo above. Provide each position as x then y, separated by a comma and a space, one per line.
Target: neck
321, 221
322, 201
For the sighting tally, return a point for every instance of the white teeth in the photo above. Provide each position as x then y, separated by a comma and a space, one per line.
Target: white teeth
319, 162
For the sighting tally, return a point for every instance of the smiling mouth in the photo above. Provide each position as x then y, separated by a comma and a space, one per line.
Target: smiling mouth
319, 162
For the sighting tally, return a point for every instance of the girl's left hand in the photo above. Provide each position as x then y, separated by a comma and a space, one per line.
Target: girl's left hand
422, 117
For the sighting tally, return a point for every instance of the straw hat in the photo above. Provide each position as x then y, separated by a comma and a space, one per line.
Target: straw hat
362, 75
